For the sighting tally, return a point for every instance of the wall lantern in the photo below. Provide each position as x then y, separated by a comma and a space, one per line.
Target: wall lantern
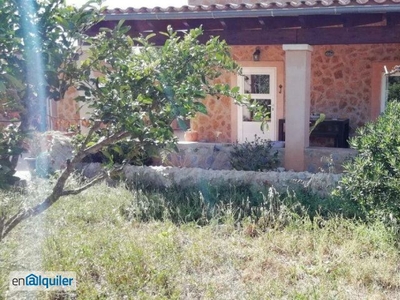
256, 54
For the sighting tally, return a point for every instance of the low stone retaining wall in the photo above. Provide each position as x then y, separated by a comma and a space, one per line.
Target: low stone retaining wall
327, 159
216, 157
321, 183
211, 156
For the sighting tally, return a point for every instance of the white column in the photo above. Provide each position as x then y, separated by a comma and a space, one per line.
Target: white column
297, 108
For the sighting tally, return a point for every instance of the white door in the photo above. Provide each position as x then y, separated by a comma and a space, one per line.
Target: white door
260, 84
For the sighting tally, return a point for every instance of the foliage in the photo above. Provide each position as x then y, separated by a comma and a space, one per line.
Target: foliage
143, 91
372, 178
9, 146
38, 41
394, 88
136, 93
254, 155
125, 152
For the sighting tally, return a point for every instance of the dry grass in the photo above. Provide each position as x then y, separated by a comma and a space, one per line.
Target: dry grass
116, 258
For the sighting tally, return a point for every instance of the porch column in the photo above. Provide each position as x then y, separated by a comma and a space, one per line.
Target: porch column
297, 105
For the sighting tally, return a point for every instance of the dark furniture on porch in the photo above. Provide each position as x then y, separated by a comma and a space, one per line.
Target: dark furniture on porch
338, 129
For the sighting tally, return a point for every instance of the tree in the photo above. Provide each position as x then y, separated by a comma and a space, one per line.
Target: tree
137, 93
38, 42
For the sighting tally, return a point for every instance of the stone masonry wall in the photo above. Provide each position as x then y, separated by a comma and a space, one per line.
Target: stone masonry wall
67, 111
321, 183
341, 87
217, 157
216, 125
341, 84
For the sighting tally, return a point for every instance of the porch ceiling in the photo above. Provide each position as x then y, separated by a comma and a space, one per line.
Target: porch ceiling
272, 23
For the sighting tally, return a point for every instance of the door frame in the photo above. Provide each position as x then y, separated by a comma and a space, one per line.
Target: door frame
272, 71
280, 93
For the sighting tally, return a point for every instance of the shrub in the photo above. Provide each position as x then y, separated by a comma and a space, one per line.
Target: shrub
372, 178
9, 147
256, 155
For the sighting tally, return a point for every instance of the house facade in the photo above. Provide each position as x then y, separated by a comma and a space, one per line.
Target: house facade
298, 58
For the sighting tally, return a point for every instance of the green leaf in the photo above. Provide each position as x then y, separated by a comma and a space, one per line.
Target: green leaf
182, 124
235, 89
2, 87
13, 81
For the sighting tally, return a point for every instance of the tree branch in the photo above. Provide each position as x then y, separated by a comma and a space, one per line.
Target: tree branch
95, 126
58, 192
84, 187
95, 148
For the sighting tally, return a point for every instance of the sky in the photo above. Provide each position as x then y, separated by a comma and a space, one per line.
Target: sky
135, 3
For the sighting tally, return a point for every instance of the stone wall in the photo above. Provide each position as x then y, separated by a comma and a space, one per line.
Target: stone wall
341, 84
216, 126
67, 111
341, 87
319, 159
216, 157
321, 183
205, 156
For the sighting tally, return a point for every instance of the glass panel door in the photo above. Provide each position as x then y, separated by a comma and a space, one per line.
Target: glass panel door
259, 83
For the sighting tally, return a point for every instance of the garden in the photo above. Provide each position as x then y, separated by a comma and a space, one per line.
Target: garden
129, 231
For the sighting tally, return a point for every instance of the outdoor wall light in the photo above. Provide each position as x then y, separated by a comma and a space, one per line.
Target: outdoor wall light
256, 54
329, 53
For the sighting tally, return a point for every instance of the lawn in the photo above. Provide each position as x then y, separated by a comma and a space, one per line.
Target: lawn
119, 256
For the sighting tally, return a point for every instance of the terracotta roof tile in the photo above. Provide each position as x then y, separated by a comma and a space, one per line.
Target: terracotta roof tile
250, 6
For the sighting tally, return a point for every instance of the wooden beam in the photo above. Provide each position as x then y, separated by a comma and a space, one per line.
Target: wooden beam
320, 21
392, 19
281, 22
314, 36
286, 30
353, 20
258, 37
353, 35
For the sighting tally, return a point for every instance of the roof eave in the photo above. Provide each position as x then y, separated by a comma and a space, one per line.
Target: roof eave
276, 12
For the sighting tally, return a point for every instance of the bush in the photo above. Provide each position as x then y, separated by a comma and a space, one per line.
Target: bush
254, 156
10, 138
372, 178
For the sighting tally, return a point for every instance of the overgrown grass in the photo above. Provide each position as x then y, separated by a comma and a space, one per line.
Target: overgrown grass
119, 254
207, 201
